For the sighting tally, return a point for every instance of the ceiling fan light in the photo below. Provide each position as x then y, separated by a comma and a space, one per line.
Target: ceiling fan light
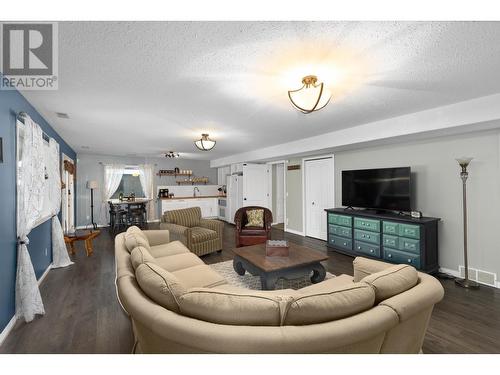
205, 143
311, 96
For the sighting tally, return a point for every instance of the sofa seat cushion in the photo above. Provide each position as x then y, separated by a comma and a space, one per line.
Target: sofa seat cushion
236, 307
337, 303
134, 238
167, 249
199, 234
160, 285
327, 285
178, 261
139, 256
201, 276
392, 280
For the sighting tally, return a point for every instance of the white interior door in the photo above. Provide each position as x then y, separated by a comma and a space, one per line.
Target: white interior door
68, 201
279, 198
255, 185
319, 194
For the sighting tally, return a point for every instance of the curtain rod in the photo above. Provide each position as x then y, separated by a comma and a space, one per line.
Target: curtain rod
21, 116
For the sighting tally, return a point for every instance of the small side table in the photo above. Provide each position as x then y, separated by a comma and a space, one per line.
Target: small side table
81, 235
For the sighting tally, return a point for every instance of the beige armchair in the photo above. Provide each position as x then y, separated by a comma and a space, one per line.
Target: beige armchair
201, 236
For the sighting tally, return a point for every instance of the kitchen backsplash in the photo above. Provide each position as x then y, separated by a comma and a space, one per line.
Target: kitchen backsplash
187, 191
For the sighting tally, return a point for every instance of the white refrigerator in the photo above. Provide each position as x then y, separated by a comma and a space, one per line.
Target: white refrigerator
234, 196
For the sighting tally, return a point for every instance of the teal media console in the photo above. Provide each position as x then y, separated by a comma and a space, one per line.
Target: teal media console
389, 237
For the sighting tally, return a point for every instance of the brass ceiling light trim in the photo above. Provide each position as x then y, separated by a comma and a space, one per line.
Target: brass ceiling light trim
311, 97
172, 154
205, 143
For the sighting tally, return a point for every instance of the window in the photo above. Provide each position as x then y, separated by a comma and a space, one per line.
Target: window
130, 183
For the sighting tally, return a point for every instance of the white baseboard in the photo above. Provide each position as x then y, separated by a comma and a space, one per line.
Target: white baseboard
8, 328
294, 232
455, 273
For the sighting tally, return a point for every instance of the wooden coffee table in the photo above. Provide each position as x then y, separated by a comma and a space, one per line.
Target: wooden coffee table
81, 235
300, 262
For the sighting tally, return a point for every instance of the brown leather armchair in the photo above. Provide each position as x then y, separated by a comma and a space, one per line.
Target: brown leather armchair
246, 236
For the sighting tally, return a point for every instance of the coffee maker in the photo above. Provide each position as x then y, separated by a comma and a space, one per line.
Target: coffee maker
163, 193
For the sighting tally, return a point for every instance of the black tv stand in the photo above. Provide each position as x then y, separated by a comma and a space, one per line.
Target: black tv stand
349, 208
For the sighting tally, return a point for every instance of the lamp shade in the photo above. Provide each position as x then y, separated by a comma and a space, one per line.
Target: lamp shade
205, 143
311, 96
92, 185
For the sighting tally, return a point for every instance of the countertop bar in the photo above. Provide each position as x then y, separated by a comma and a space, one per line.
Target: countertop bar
198, 197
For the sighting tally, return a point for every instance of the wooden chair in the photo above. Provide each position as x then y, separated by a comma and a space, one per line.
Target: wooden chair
245, 235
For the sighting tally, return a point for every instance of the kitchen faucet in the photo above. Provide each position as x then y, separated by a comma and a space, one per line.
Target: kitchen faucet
195, 189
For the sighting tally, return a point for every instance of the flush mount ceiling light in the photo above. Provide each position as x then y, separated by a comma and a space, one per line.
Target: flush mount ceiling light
311, 96
172, 154
205, 143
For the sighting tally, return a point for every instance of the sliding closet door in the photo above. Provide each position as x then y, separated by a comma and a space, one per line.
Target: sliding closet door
319, 194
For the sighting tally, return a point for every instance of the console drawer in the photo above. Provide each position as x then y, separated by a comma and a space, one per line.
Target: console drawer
340, 231
367, 224
390, 227
343, 243
391, 241
396, 256
410, 231
343, 220
407, 244
366, 236
367, 248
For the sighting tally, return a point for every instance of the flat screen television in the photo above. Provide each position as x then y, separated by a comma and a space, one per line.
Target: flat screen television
383, 189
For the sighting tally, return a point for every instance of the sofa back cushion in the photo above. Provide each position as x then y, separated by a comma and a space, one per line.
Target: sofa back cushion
186, 217
159, 285
134, 237
339, 302
238, 307
392, 280
139, 256
364, 267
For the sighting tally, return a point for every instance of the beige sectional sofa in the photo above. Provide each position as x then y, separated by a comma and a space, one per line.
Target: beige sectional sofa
177, 304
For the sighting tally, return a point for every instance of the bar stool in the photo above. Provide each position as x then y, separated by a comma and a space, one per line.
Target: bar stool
118, 217
137, 214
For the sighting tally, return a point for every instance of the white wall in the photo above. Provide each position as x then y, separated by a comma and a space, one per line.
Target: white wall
438, 190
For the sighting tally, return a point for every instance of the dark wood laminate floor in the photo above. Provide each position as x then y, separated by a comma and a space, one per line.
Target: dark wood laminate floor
83, 314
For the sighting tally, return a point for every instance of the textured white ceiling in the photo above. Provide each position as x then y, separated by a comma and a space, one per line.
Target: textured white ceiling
148, 87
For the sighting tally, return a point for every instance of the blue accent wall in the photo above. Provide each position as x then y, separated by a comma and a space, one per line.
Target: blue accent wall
11, 103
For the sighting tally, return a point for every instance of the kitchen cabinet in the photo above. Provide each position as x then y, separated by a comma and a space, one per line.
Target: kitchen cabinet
208, 206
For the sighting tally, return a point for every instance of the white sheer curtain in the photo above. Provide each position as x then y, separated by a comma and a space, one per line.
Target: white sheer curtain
60, 257
113, 174
30, 193
146, 177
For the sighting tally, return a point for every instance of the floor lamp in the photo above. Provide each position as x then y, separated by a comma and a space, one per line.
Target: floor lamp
92, 185
465, 282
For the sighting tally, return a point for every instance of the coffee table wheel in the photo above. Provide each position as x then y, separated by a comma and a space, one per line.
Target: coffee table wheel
238, 267
319, 274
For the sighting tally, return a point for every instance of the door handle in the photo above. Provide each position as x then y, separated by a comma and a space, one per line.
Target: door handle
244, 199
313, 203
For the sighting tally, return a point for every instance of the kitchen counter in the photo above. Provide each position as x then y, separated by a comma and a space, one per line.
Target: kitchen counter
197, 197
